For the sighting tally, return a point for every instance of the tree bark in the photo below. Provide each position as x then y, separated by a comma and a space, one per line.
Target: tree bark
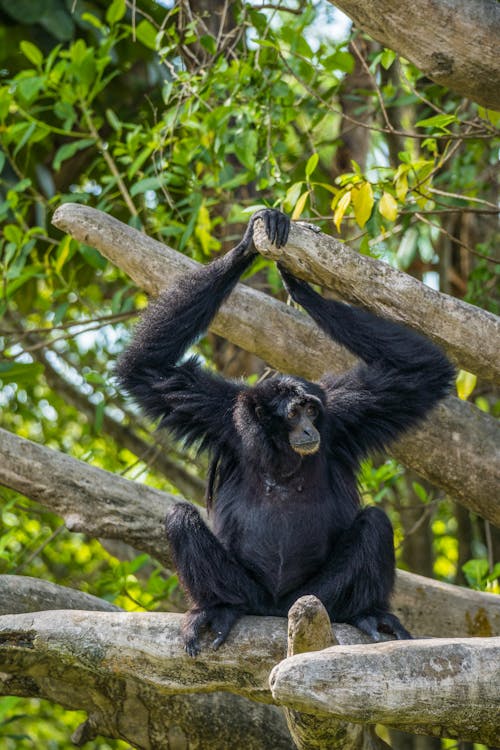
446, 688
454, 42
119, 666
458, 448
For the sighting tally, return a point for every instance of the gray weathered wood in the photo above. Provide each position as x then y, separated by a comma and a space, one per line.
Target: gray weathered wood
448, 688
470, 335
457, 449
454, 42
131, 675
309, 629
76, 658
20, 594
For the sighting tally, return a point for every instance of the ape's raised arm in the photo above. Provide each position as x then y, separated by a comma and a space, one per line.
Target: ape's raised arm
405, 375
190, 401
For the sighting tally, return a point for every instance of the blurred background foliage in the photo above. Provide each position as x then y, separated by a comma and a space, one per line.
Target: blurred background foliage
181, 120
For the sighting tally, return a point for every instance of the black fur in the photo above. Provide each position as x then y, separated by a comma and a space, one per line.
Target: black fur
285, 524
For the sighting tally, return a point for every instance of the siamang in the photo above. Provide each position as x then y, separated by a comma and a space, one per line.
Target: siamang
287, 519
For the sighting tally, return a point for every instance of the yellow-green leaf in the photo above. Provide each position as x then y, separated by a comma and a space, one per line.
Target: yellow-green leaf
465, 383
341, 208
32, 52
362, 201
402, 187
311, 165
63, 253
116, 11
300, 205
388, 207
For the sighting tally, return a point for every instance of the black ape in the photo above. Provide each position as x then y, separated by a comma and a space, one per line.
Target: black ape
287, 517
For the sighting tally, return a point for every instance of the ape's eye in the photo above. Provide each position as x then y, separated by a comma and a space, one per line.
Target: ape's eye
293, 412
312, 411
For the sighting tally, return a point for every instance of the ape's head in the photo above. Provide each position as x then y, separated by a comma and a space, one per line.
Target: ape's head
283, 413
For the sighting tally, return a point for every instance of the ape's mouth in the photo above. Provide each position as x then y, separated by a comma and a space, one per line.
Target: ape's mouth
306, 449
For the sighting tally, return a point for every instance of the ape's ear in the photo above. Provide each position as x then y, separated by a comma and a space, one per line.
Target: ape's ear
260, 413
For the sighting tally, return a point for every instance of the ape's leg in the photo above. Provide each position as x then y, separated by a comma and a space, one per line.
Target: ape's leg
220, 588
356, 583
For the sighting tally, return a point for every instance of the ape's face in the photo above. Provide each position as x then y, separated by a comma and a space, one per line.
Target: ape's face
301, 416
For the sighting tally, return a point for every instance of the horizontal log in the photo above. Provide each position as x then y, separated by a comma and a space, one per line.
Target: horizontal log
448, 688
20, 594
89, 499
129, 672
458, 448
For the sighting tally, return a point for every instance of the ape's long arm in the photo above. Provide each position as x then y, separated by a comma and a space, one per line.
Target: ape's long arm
405, 375
192, 402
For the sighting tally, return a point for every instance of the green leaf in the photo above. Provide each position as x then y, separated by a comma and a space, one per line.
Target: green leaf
465, 384
146, 33
16, 372
32, 52
311, 165
245, 148
292, 195
438, 121
116, 11
388, 207
148, 183
420, 492
475, 571
362, 201
69, 150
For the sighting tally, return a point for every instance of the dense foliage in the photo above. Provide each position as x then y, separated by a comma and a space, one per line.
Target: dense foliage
181, 125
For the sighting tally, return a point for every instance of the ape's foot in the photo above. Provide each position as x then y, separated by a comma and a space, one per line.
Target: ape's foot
374, 625
220, 619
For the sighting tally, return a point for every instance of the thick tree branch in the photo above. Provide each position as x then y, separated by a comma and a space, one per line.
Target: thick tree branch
130, 673
457, 448
101, 504
20, 594
89, 499
470, 335
445, 687
454, 42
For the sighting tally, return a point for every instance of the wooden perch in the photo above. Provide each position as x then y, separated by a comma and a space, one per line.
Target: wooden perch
20, 594
102, 504
454, 42
447, 688
130, 673
89, 499
457, 449
469, 335
309, 629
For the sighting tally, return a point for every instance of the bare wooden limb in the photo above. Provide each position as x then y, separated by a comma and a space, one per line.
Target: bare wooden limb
129, 672
309, 629
447, 688
89, 499
457, 448
454, 42
431, 608
470, 335
20, 594
103, 505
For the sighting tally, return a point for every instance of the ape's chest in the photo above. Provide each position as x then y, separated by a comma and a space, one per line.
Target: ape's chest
284, 536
